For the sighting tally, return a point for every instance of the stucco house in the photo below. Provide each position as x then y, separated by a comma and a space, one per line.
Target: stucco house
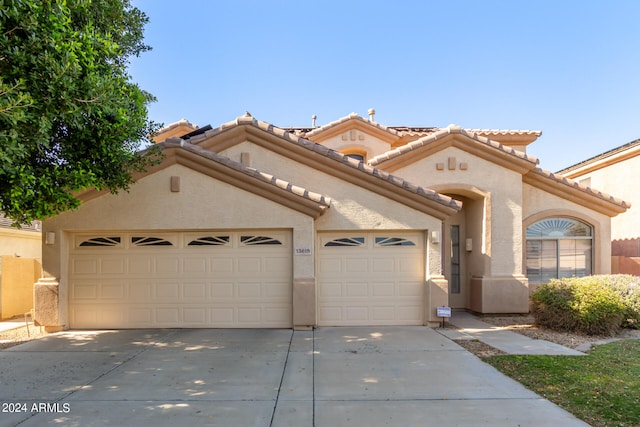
349, 223
617, 170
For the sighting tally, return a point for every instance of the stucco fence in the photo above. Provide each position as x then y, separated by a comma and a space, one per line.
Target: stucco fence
17, 276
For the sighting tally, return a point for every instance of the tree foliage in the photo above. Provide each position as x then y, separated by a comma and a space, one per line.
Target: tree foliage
70, 118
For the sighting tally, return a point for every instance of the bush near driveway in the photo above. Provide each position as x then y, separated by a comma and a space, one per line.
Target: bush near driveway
593, 305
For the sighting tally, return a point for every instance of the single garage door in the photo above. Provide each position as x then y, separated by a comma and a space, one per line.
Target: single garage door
218, 279
371, 278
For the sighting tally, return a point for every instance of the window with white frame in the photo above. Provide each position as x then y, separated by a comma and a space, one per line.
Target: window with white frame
558, 247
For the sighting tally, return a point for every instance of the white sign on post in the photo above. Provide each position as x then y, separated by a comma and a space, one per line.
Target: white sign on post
444, 311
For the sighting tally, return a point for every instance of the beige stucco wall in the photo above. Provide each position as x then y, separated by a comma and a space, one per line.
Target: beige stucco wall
539, 204
352, 207
25, 244
202, 203
501, 190
16, 285
621, 180
356, 140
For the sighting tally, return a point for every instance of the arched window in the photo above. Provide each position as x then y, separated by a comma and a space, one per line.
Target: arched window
558, 247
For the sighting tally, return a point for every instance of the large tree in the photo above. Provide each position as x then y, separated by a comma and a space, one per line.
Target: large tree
70, 116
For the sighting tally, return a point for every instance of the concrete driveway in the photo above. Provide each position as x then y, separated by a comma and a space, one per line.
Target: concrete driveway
371, 376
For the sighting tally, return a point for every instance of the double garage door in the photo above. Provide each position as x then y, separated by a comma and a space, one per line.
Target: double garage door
241, 279
181, 279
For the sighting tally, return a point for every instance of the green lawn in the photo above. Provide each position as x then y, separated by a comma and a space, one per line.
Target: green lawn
602, 388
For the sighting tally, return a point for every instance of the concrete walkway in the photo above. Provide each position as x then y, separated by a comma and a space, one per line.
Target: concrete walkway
471, 327
371, 376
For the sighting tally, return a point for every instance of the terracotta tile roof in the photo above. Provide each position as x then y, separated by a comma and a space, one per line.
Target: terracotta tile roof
7, 223
560, 179
247, 119
320, 199
504, 132
352, 116
442, 133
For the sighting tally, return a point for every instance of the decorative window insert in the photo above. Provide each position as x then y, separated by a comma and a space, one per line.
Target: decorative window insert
210, 241
357, 156
558, 247
393, 241
259, 240
101, 241
346, 241
150, 241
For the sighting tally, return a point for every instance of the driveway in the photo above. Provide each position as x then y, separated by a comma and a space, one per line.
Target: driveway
245, 377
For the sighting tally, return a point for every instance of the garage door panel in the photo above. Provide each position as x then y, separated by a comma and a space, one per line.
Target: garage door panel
113, 291
250, 265
216, 282
383, 289
384, 313
194, 290
410, 289
195, 315
222, 265
222, 290
85, 290
164, 291
356, 265
357, 289
249, 290
140, 265
139, 291
84, 266
384, 265
371, 278
194, 265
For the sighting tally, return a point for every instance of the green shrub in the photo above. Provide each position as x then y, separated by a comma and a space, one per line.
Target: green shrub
592, 305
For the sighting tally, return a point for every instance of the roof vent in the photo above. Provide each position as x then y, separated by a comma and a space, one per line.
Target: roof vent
372, 113
313, 120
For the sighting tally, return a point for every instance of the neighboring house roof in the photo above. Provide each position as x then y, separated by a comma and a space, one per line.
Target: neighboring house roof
8, 223
602, 160
178, 128
327, 160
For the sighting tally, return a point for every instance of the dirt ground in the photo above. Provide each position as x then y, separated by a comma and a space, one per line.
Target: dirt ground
20, 335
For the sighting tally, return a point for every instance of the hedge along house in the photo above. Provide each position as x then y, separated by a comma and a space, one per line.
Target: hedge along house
251, 225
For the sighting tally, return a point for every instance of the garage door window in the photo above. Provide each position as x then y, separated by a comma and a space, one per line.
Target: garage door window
346, 241
211, 241
393, 241
150, 241
259, 240
100, 242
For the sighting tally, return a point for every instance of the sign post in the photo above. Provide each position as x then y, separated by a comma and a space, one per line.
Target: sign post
443, 312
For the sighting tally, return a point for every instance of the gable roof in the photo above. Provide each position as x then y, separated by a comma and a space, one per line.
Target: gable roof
615, 155
505, 156
177, 151
353, 121
573, 191
322, 158
478, 145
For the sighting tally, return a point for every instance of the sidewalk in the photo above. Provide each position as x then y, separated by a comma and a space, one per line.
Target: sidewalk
471, 327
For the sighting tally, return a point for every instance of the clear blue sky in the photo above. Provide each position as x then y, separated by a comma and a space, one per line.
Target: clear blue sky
569, 68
